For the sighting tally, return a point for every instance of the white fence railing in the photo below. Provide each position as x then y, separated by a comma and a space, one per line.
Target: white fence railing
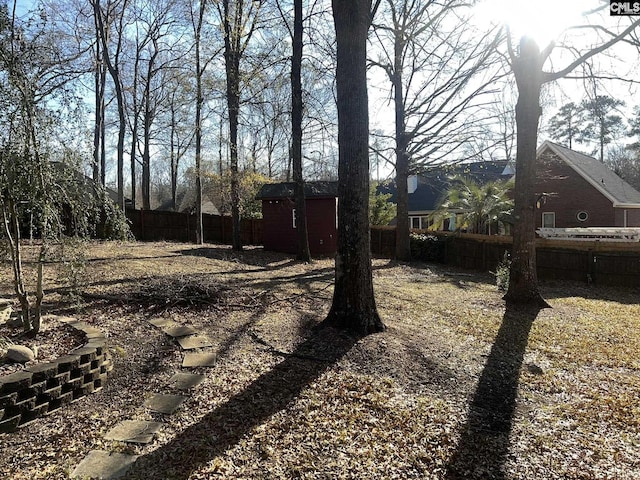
605, 234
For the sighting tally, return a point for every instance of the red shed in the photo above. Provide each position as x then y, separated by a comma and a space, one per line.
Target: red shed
279, 221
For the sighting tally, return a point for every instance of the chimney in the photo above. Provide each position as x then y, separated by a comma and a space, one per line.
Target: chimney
412, 183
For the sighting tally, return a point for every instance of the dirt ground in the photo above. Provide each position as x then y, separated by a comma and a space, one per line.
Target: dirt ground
456, 387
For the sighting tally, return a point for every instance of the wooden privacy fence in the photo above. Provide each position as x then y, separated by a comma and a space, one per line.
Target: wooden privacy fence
605, 263
154, 225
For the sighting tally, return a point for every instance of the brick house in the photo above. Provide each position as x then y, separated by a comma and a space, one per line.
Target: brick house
279, 232
576, 190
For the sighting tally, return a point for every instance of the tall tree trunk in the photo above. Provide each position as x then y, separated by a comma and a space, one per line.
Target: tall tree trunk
113, 68
296, 131
232, 64
220, 140
199, 104
146, 161
174, 159
149, 114
403, 245
239, 19
103, 136
353, 307
233, 99
99, 114
523, 279
134, 132
120, 147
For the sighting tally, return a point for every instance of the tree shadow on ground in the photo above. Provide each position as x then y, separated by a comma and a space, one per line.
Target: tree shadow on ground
253, 256
552, 289
484, 444
223, 427
157, 294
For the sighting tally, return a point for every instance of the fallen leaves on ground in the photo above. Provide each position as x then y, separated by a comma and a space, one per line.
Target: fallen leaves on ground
282, 402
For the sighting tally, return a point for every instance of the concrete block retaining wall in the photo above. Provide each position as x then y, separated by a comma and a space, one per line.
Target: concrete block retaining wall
46, 387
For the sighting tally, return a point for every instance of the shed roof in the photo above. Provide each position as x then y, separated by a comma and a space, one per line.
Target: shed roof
597, 174
319, 189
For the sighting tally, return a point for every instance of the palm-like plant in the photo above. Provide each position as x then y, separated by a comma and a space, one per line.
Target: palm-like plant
476, 206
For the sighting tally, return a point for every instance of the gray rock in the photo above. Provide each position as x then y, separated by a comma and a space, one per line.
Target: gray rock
19, 354
5, 313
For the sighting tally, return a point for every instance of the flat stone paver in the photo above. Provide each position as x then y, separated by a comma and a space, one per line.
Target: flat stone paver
179, 331
164, 403
186, 381
199, 360
192, 342
104, 465
133, 431
162, 322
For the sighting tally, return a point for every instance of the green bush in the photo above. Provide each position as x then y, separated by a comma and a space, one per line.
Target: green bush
427, 248
502, 273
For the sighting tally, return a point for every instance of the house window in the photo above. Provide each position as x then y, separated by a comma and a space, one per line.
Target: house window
452, 222
549, 220
293, 217
415, 222
582, 216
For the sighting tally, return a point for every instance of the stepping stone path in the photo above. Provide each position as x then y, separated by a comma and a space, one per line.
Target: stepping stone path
133, 431
193, 342
186, 381
104, 465
199, 360
100, 464
164, 403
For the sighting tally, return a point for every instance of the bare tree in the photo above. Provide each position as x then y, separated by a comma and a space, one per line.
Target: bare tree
239, 20
353, 307
100, 80
110, 23
430, 65
527, 66
200, 67
303, 252
161, 31
178, 123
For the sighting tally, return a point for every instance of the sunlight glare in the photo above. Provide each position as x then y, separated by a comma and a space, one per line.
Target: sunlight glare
543, 20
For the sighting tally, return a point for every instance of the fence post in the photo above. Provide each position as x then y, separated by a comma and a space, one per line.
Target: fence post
142, 232
484, 256
253, 231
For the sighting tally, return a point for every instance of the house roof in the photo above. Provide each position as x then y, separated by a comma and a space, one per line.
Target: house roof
434, 182
88, 183
320, 189
186, 202
597, 174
